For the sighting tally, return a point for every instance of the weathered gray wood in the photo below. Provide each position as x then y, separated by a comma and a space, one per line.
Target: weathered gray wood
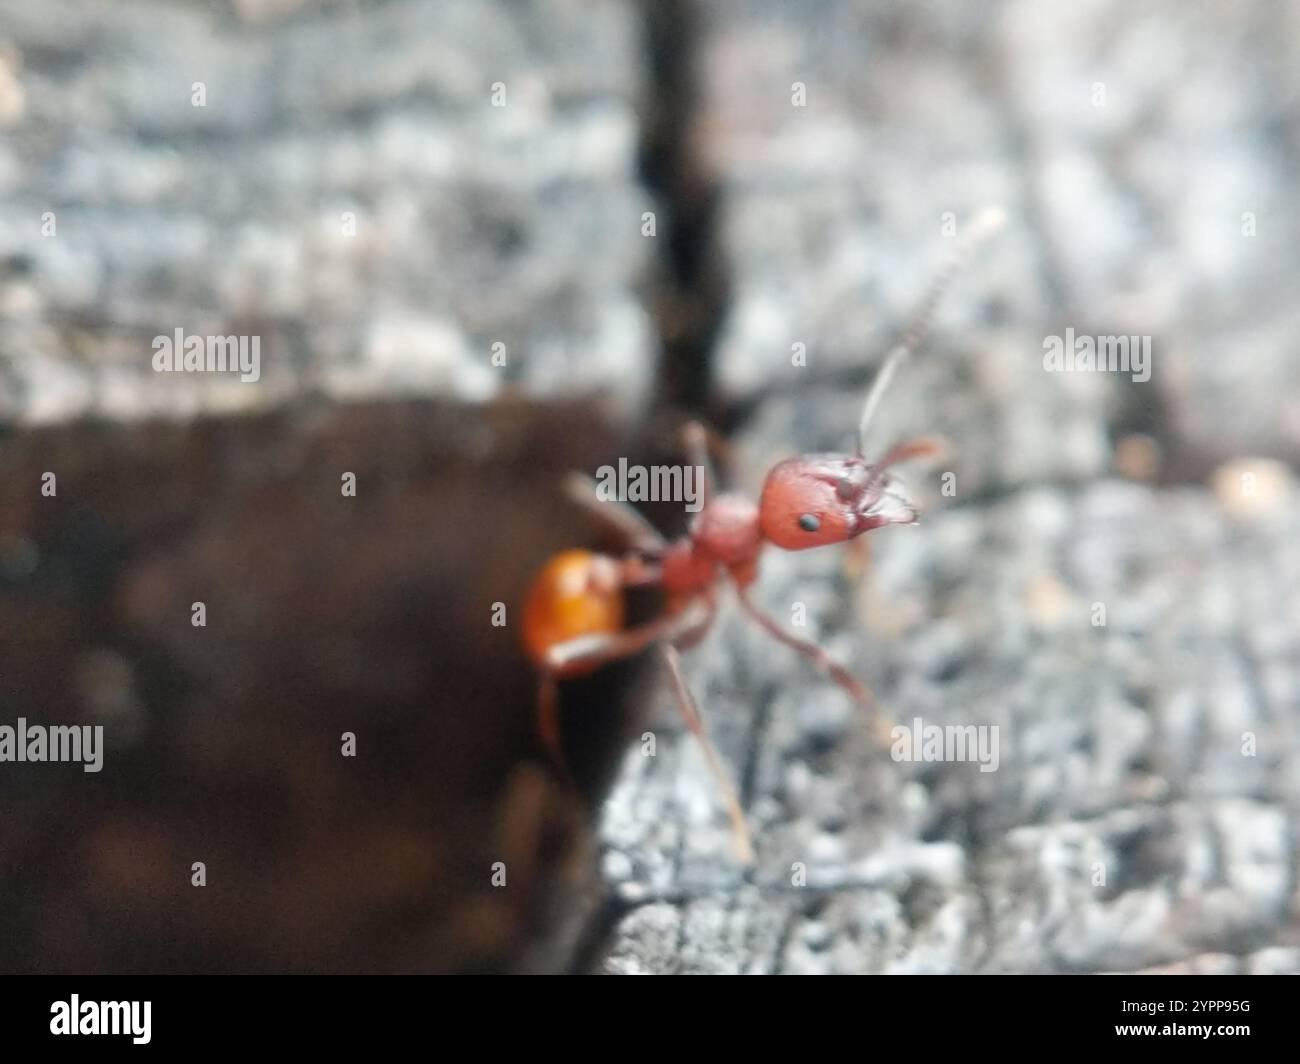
474, 224
1128, 152
1130, 823
1124, 826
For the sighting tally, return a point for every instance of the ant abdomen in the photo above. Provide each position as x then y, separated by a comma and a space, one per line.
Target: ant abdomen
577, 593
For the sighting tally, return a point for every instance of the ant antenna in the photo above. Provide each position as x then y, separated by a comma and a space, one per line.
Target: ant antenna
922, 448
984, 225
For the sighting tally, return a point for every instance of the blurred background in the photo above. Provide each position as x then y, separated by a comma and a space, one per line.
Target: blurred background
483, 242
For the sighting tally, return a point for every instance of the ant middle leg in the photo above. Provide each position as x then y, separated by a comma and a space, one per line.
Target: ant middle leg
690, 713
591, 651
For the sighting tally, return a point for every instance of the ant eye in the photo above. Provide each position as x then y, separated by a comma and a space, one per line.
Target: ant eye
809, 523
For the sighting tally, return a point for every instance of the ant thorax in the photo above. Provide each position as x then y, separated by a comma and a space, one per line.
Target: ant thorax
726, 531
724, 535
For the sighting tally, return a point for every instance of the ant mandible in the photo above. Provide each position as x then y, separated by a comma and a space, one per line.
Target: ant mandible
574, 617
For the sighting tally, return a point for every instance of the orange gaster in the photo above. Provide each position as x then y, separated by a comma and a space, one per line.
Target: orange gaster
578, 593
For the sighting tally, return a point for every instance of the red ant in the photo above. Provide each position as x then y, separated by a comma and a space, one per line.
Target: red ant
573, 617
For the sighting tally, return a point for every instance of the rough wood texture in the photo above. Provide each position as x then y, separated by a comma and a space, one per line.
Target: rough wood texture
1128, 151
1125, 827
473, 224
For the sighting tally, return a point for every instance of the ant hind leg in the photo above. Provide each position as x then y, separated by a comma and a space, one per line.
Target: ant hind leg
695, 441
548, 727
622, 520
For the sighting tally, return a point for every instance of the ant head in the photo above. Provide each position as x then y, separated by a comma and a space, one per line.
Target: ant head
818, 499
830, 498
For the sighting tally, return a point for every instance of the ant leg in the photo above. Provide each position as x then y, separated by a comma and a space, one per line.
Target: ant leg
548, 726
695, 438
691, 715
823, 661
857, 558
692, 636
809, 650
589, 651
624, 520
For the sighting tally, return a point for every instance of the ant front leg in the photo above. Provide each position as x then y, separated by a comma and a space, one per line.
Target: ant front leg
855, 688
823, 661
